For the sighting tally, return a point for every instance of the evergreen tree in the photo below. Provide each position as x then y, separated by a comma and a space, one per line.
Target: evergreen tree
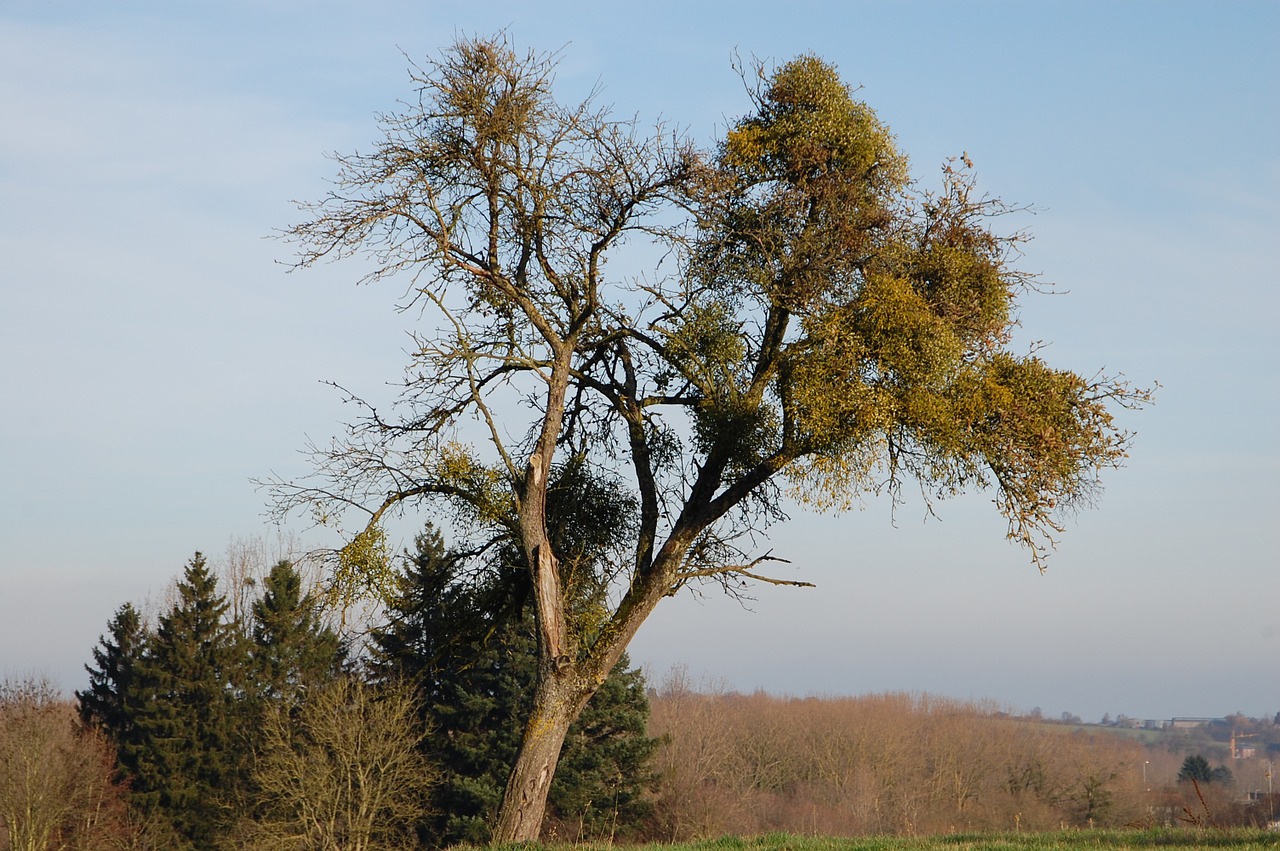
431, 643
110, 701
460, 633
1195, 767
291, 649
186, 758
184, 704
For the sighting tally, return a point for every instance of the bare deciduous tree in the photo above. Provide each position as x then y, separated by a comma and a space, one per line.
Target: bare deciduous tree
823, 331
56, 787
342, 772
892, 763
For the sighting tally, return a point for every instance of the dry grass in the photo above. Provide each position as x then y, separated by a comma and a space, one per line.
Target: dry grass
1070, 840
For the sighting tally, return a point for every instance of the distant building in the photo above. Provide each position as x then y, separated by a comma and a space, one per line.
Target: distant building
1191, 723
1125, 721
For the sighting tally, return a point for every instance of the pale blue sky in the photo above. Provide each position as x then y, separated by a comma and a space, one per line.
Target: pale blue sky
154, 356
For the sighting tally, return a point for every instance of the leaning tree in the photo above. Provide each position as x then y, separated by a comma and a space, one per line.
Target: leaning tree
815, 329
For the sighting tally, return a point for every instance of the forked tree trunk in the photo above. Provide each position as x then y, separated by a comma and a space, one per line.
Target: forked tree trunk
557, 702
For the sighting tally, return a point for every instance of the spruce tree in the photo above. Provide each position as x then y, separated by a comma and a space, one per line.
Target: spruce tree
187, 757
291, 648
1195, 767
111, 700
460, 632
184, 704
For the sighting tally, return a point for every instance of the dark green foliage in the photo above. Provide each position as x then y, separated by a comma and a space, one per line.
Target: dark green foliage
290, 653
1196, 768
184, 704
291, 648
110, 701
474, 732
464, 641
185, 758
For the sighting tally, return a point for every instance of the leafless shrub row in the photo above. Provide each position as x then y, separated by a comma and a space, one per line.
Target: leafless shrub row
892, 763
57, 785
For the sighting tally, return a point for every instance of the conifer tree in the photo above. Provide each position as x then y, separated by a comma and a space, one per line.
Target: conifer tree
110, 701
186, 759
460, 633
292, 649
604, 771
184, 704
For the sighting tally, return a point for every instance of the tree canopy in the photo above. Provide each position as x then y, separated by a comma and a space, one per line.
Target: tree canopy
185, 704
1196, 768
183, 757
291, 649
821, 330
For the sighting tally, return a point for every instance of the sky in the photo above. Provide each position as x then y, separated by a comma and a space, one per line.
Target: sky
156, 356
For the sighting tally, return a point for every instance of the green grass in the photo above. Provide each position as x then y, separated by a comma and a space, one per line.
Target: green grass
1073, 840
1061, 841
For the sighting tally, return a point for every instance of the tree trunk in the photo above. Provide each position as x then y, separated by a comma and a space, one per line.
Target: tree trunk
556, 704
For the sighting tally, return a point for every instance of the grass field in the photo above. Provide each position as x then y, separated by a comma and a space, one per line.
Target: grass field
1074, 840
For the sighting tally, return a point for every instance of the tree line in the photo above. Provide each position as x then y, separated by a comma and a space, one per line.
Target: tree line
913, 764
260, 726
219, 724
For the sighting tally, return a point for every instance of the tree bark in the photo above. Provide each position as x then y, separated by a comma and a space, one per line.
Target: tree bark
557, 702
